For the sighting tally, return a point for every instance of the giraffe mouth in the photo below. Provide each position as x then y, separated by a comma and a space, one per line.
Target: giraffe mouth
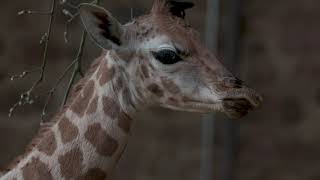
239, 105
235, 104
233, 108
237, 108
197, 106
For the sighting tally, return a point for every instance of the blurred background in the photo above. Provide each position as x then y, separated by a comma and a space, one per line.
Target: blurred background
273, 45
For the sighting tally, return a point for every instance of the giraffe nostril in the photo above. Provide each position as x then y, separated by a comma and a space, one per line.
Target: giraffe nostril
234, 83
239, 81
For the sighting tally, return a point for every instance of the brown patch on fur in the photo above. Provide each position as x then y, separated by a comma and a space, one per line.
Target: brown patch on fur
81, 103
119, 84
221, 87
42, 133
186, 99
155, 89
105, 74
93, 105
104, 144
124, 122
36, 170
93, 174
110, 107
80, 85
208, 70
145, 71
71, 163
173, 101
68, 130
170, 85
48, 144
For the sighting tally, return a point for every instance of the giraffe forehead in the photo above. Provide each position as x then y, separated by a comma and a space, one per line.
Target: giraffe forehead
157, 42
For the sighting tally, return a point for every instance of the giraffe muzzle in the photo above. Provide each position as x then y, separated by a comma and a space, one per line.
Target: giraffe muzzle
239, 102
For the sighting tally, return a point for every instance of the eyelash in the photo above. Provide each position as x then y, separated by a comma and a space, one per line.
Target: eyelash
167, 56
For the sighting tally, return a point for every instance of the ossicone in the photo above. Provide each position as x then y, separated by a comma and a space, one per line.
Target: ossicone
171, 7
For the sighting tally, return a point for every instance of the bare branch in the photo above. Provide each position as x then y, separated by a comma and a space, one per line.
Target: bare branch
53, 89
25, 98
23, 12
23, 74
44, 38
77, 67
72, 17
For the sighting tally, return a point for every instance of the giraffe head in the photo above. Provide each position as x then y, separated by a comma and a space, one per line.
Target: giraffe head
166, 64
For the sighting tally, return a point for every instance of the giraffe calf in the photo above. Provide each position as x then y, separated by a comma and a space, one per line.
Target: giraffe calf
155, 60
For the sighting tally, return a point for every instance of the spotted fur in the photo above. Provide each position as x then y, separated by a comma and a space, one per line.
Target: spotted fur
87, 138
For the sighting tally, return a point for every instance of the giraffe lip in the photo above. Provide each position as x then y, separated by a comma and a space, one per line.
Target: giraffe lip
244, 96
237, 107
201, 106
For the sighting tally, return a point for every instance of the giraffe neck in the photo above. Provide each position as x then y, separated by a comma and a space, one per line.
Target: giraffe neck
89, 137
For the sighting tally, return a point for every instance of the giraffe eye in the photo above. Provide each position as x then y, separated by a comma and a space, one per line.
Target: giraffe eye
167, 57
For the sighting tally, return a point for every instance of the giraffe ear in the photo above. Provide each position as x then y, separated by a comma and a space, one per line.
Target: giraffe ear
102, 27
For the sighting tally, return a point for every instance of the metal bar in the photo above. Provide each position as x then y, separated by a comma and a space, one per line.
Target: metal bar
207, 136
231, 30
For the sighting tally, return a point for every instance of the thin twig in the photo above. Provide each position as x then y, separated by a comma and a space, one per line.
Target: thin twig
25, 98
71, 5
54, 88
66, 26
23, 12
77, 67
71, 18
45, 52
23, 74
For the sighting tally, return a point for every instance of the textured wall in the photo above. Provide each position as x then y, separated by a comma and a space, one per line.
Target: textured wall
279, 57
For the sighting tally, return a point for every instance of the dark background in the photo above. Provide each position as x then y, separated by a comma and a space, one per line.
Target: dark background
279, 56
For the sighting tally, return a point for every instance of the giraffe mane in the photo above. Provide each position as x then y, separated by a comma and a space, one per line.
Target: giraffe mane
159, 7
45, 127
